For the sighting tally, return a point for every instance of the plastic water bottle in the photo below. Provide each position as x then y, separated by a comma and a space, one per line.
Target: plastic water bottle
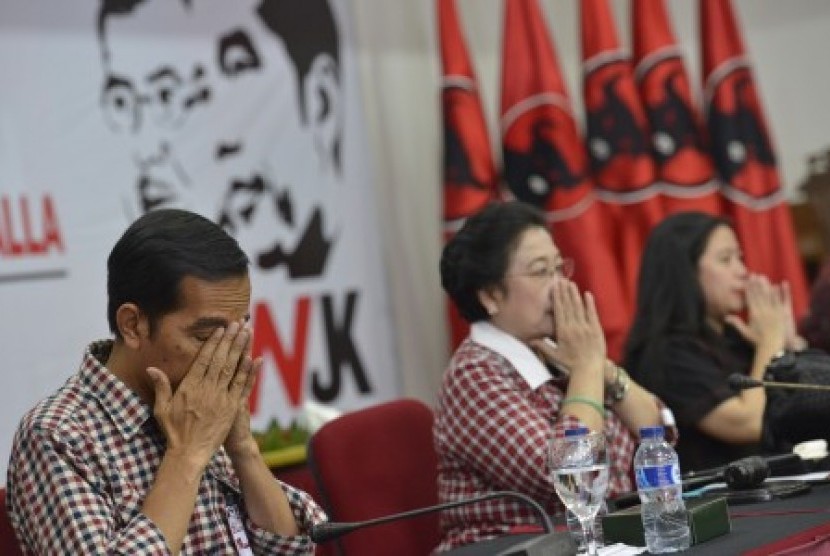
574, 527
665, 519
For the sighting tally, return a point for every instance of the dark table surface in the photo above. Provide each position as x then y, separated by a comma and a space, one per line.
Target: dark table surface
757, 528
761, 524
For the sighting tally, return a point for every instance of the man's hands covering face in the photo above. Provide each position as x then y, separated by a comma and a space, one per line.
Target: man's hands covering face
210, 405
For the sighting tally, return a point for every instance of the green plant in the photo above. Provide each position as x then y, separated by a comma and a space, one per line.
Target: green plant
274, 437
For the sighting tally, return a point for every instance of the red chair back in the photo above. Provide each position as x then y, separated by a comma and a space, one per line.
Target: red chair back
8, 542
376, 462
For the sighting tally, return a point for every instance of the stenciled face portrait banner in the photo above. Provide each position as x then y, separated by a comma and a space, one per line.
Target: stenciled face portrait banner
248, 112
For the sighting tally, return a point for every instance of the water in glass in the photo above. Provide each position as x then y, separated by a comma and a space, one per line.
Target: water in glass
579, 466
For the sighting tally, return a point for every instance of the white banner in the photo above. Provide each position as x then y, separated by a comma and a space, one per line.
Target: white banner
247, 112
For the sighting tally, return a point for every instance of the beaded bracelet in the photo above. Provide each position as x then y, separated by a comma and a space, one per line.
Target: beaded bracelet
587, 401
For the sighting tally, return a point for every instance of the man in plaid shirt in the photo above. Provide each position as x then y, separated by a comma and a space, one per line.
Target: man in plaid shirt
147, 449
500, 404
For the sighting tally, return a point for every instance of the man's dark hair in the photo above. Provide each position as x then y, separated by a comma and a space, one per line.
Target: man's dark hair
160, 249
110, 8
478, 255
670, 299
307, 27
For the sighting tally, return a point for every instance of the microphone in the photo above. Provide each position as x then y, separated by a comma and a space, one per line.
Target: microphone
547, 543
746, 473
738, 381
741, 474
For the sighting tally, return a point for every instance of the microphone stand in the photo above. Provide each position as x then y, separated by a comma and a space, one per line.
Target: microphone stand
547, 543
774, 461
795, 385
738, 381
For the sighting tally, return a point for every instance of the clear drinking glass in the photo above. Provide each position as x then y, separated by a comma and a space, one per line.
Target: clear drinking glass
580, 476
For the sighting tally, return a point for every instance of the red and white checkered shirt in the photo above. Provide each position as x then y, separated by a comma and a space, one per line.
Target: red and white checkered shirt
492, 431
82, 463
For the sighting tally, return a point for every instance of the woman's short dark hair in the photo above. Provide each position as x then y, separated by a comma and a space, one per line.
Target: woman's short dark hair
669, 296
148, 263
478, 255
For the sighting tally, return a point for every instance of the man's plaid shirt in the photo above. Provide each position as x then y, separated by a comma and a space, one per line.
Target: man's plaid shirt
83, 461
492, 432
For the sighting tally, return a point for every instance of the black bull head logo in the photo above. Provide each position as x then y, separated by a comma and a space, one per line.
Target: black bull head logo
534, 174
673, 124
613, 130
458, 170
738, 137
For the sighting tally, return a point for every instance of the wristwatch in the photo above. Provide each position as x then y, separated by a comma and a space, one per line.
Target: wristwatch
617, 391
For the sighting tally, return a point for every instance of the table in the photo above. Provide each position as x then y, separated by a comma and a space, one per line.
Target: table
790, 526
768, 527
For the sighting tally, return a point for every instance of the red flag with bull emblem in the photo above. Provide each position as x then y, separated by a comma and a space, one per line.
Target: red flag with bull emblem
545, 163
470, 178
619, 148
743, 154
684, 168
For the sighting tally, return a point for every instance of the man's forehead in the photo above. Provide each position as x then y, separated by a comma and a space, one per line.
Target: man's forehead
227, 298
178, 16
208, 321
172, 32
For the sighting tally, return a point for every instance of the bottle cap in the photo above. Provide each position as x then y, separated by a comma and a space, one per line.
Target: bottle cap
651, 432
576, 431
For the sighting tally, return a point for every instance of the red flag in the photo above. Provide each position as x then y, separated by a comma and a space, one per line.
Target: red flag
470, 179
684, 168
546, 165
743, 154
618, 140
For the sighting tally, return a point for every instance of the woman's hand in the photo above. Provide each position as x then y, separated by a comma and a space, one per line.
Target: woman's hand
580, 343
768, 313
794, 342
